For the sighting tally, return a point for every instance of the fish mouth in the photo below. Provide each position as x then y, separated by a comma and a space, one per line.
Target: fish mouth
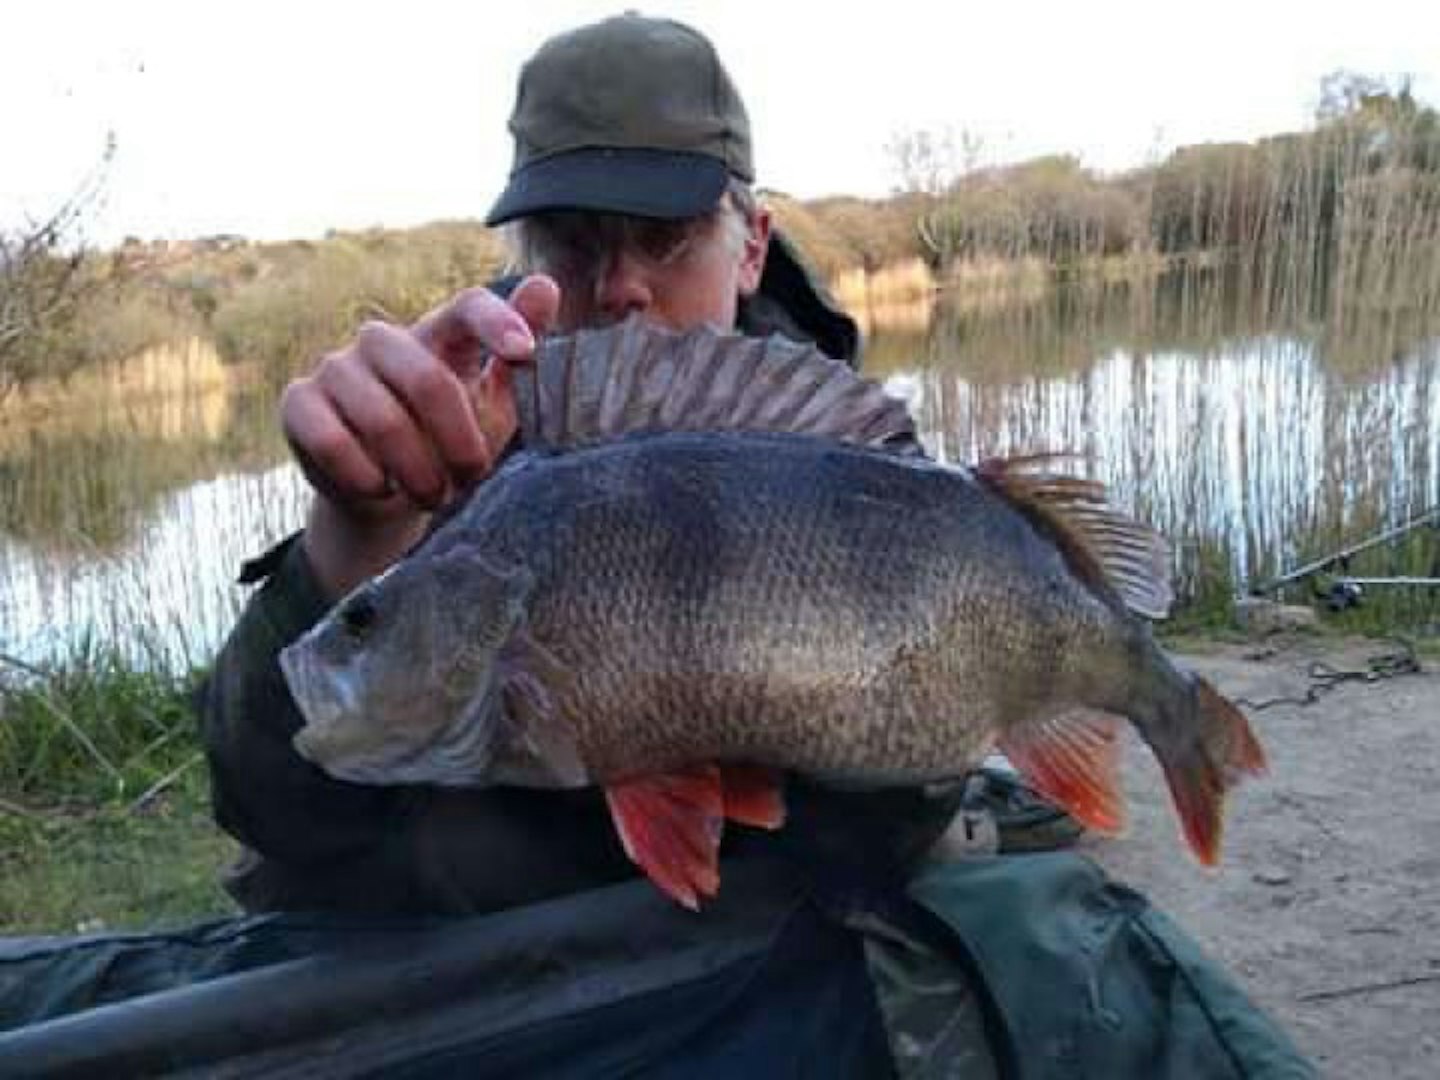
323, 698
339, 734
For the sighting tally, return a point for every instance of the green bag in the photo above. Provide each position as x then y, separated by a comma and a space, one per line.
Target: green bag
1086, 979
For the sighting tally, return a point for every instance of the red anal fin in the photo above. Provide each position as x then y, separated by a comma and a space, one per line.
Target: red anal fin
753, 795
1072, 760
670, 825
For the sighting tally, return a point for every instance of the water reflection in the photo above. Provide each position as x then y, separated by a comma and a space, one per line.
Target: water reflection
84, 463
1253, 446
127, 497
165, 598
1252, 437
1256, 456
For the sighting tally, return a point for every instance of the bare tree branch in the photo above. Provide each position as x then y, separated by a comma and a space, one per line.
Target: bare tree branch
41, 280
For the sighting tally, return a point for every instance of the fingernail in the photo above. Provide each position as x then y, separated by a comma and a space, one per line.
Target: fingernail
515, 343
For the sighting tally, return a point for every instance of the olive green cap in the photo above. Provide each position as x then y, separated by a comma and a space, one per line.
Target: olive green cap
632, 115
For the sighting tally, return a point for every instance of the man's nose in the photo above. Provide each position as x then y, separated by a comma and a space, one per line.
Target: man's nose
624, 285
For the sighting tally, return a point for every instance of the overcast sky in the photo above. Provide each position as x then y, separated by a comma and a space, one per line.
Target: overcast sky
283, 119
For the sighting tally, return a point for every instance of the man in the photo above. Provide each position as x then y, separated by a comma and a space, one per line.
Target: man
629, 193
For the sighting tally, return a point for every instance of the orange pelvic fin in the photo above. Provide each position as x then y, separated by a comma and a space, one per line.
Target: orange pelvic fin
1072, 760
1226, 751
670, 825
753, 795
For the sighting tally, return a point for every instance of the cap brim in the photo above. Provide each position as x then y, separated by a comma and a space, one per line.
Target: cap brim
642, 183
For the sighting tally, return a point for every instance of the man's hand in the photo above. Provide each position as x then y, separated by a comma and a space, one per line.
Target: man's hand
393, 425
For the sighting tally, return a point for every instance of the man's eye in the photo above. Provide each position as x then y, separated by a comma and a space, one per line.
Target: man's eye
358, 616
665, 241
565, 261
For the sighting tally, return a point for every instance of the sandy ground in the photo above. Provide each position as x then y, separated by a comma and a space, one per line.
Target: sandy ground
1327, 904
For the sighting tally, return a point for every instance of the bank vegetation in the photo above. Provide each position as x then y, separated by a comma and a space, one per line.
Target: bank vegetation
1344, 217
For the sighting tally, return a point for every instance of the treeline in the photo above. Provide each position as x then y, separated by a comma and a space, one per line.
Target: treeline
1352, 206
1348, 212
275, 305
293, 301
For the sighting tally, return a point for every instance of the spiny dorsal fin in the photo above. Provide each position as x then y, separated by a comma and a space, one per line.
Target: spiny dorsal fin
598, 385
1101, 544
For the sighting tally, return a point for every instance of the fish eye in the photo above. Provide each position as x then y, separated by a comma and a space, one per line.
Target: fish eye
358, 616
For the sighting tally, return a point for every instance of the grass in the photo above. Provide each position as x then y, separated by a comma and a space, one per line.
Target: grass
105, 821
92, 729
87, 866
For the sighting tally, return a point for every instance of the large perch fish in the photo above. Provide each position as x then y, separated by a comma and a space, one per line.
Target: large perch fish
717, 558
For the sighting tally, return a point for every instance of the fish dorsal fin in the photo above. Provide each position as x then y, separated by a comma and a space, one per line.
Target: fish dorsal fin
598, 385
1102, 545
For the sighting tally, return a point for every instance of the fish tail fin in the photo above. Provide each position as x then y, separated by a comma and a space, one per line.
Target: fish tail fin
670, 824
1221, 750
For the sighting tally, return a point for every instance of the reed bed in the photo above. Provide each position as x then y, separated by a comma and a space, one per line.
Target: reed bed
896, 283
1254, 443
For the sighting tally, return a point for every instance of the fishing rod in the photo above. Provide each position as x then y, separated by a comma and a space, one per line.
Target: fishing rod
1429, 517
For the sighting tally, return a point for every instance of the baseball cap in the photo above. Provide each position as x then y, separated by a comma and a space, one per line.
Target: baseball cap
631, 115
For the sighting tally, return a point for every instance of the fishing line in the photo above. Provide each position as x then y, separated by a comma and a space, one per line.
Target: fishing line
1325, 677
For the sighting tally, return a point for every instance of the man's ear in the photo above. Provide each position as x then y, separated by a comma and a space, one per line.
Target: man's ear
752, 255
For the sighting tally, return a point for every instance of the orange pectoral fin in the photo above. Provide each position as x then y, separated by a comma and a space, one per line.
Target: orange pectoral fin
753, 796
670, 825
1072, 760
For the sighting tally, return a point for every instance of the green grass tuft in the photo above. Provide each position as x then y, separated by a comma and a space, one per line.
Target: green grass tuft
93, 728
105, 818
80, 868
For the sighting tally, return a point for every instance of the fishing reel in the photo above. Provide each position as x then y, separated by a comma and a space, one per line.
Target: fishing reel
1338, 593
1342, 595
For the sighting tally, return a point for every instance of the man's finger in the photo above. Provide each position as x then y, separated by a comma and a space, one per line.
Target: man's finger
433, 395
472, 324
328, 452
386, 430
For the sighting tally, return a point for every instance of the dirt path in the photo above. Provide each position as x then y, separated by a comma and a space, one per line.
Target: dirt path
1327, 905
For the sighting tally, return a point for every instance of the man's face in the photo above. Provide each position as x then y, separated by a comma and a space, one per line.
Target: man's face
678, 274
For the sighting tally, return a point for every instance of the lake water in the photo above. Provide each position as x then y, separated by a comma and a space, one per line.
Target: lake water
1253, 446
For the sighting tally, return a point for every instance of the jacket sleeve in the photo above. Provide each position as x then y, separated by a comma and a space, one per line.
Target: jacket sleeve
304, 830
